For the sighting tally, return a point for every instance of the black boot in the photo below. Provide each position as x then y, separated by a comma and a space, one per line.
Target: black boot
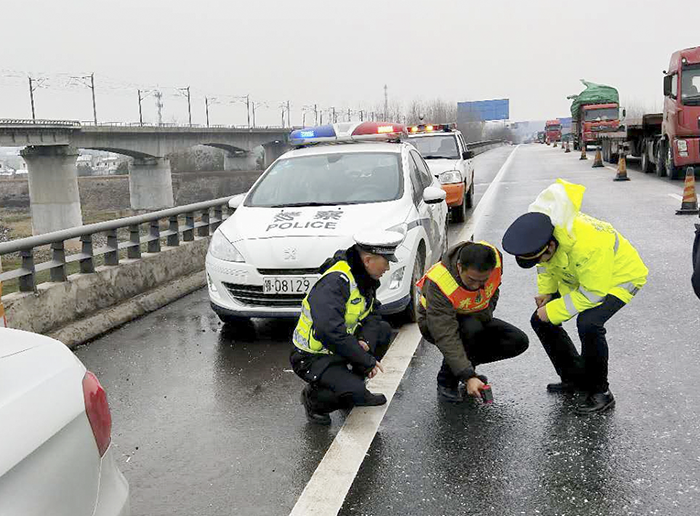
596, 402
317, 418
562, 387
450, 394
372, 400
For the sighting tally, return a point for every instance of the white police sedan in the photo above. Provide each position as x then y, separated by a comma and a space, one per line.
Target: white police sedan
342, 179
55, 433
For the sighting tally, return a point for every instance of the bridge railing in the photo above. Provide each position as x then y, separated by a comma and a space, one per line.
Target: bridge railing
196, 218
17, 122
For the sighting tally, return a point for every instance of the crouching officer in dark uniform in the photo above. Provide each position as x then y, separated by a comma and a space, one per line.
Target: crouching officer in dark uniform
459, 295
339, 339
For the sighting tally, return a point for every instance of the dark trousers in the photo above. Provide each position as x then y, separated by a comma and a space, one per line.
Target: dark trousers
332, 385
485, 342
588, 370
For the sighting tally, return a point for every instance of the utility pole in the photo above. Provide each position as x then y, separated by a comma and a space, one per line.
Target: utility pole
386, 102
247, 107
206, 107
189, 104
31, 97
94, 105
253, 104
348, 114
362, 117
321, 120
140, 112
315, 115
335, 118
289, 116
159, 104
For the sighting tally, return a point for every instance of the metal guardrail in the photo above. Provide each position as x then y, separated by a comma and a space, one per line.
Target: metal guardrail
26, 274
73, 124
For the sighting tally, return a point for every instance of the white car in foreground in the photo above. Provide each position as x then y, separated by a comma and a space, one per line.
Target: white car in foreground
264, 259
55, 433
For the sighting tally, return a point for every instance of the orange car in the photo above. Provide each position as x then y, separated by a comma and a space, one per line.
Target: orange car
446, 153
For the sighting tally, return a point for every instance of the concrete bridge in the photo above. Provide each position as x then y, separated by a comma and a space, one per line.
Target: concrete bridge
50, 150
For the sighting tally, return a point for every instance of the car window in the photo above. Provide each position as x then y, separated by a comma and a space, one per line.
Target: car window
330, 179
416, 183
436, 147
425, 177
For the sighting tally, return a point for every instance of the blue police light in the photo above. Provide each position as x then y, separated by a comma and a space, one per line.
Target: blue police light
308, 135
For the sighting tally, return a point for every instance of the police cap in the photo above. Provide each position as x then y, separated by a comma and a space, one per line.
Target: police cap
382, 243
527, 238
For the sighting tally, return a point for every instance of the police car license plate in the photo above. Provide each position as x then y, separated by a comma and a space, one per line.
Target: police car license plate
288, 284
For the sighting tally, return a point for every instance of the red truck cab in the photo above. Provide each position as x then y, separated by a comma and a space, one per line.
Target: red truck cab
680, 146
598, 118
552, 129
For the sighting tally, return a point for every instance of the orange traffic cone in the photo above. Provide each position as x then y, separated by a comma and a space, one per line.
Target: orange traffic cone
598, 161
689, 206
583, 151
621, 169
567, 147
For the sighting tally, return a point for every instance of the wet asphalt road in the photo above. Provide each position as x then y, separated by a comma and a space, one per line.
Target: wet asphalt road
207, 420
528, 453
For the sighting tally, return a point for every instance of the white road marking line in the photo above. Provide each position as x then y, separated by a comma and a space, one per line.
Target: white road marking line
469, 229
611, 168
325, 493
676, 196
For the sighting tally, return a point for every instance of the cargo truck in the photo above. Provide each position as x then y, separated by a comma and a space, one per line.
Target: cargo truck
594, 111
552, 128
666, 142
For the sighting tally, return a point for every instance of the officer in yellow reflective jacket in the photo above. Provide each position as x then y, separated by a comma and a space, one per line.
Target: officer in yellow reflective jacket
339, 339
585, 269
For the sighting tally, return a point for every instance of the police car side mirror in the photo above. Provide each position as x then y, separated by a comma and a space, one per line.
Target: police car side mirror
468, 154
433, 195
235, 201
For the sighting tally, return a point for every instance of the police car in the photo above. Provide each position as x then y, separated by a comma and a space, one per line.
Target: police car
341, 179
446, 153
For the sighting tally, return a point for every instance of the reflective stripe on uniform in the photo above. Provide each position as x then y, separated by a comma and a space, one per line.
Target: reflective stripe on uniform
629, 287
569, 303
593, 298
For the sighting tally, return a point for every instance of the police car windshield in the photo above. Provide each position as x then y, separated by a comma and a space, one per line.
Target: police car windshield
330, 179
436, 147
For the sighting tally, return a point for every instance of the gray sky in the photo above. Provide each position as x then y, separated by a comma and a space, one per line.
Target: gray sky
332, 53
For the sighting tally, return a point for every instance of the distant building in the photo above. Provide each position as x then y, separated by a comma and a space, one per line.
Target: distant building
105, 166
6, 170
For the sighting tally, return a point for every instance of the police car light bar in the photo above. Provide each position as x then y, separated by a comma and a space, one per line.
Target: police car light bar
431, 128
347, 132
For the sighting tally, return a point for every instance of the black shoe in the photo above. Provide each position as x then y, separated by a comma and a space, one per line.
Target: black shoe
314, 417
450, 394
596, 402
562, 387
372, 400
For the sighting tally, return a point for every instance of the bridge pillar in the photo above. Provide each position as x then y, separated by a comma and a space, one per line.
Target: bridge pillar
150, 184
273, 151
241, 160
53, 187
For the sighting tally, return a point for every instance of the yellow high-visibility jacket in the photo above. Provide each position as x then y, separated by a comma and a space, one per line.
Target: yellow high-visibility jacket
592, 260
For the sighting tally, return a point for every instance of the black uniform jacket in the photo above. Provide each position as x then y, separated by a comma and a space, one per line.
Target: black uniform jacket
439, 324
327, 300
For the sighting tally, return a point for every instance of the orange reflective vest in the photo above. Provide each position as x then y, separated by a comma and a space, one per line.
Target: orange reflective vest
463, 300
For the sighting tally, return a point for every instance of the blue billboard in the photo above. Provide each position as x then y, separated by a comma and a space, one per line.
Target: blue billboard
483, 110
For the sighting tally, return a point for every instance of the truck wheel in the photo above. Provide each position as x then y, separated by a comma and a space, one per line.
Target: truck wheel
671, 169
646, 162
661, 159
469, 201
459, 213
